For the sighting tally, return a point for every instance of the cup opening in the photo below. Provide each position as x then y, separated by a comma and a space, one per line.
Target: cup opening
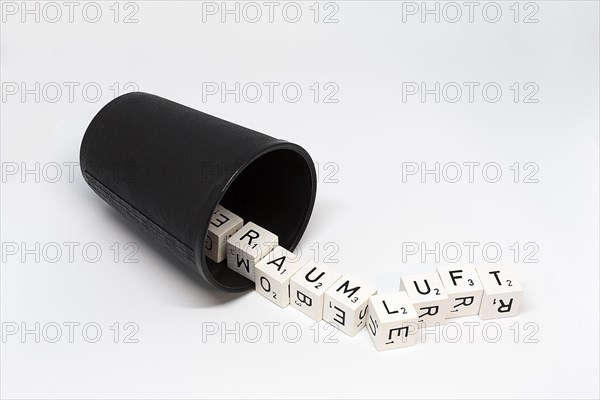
275, 191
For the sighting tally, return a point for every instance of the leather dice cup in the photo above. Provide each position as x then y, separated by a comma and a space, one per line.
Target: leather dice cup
165, 167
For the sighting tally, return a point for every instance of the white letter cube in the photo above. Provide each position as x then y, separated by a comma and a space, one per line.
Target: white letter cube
222, 225
463, 288
346, 303
429, 297
308, 286
273, 274
392, 321
248, 246
502, 292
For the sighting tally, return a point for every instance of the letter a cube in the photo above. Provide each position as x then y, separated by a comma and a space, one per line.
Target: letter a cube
346, 303
392, 321
502, 292
308, 286
428, 296
248, 246
463, 288
273, 274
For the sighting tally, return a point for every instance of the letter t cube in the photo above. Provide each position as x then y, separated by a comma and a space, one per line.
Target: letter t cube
501, 292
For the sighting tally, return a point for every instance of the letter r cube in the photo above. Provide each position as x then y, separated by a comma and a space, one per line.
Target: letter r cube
248, 246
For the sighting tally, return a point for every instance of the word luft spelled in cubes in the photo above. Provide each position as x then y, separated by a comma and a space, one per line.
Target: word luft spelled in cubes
350, 304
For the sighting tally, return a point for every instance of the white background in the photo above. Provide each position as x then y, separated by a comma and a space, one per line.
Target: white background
366, 136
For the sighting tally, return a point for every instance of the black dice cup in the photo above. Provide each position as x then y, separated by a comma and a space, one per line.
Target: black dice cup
166, 167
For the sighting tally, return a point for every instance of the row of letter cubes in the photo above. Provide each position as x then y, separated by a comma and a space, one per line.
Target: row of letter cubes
349, 304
